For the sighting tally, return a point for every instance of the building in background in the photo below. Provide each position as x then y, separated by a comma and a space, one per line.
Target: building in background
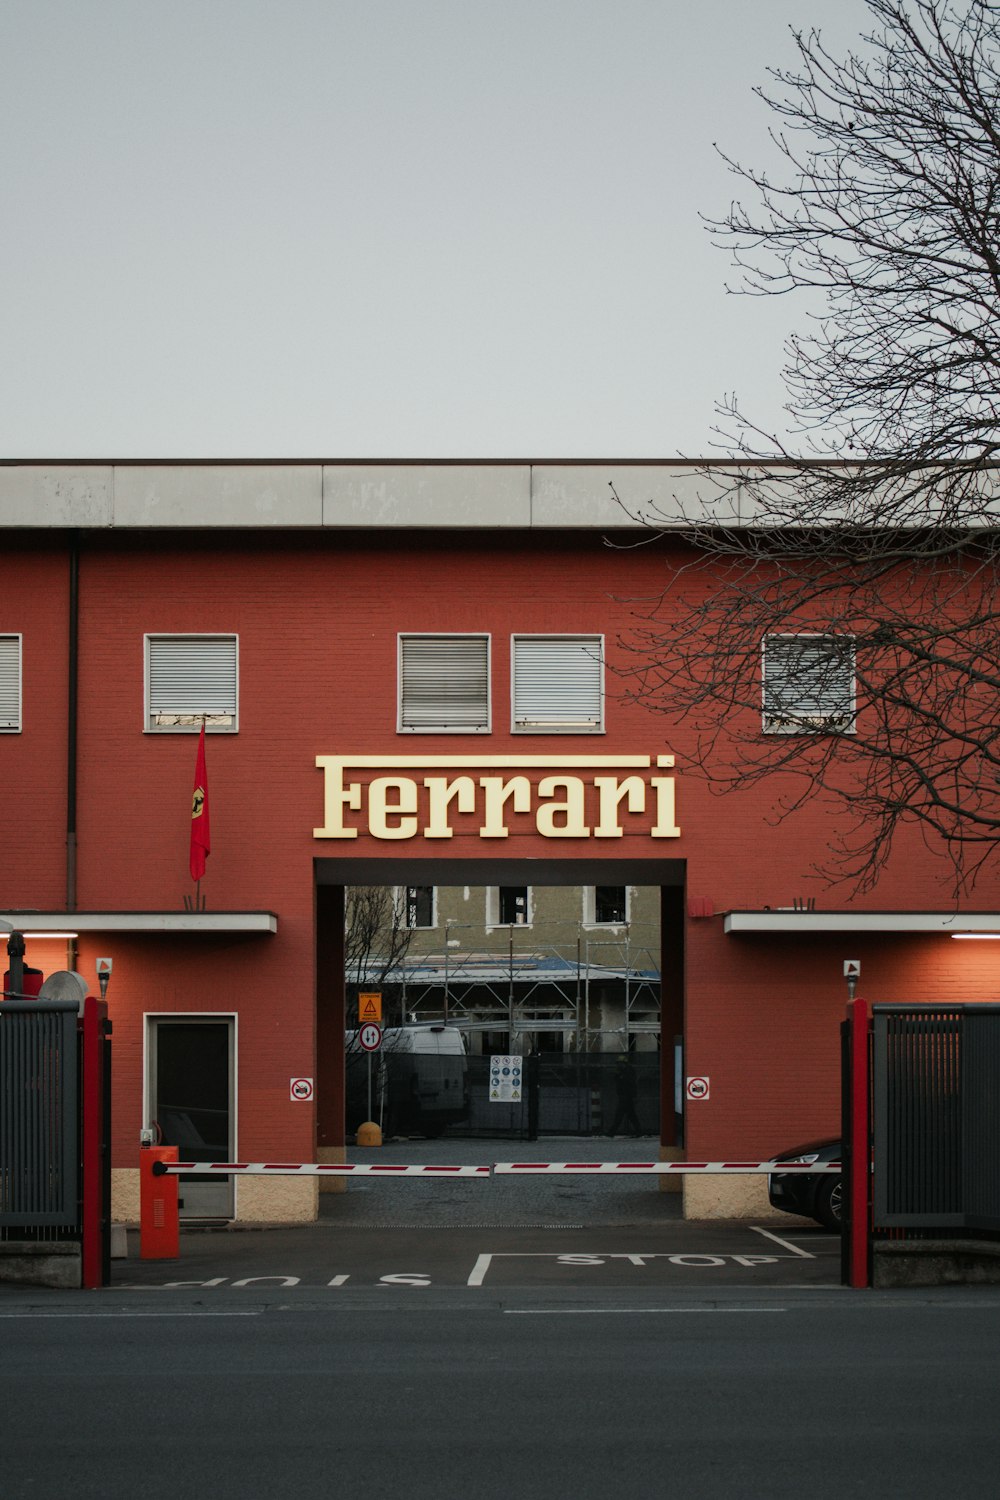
525, 968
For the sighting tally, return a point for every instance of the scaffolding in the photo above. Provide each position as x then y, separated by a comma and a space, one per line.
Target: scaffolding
600, 994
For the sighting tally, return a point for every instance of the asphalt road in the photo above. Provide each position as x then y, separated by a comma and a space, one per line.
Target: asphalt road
430, 1393
570, 1338
505, 1201
342, 1263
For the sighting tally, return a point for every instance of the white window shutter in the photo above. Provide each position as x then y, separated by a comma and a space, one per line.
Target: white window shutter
444, 683
558, 683
10, 683
808, 683
191, 677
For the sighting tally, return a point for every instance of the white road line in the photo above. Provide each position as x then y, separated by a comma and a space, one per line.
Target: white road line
786, 1244
12, 1317
589, 1259
478, 1273
588, 1312
604, 1255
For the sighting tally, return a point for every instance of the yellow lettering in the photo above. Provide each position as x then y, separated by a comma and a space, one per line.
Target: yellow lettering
382, 807
632, 791
497, 793
336, 797
461, 791
665, 826
557, 804
571, 808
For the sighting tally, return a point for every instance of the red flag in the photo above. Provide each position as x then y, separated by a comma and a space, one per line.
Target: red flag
201, 839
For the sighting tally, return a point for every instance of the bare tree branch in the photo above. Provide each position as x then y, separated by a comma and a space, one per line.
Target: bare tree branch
376, 936
880, 534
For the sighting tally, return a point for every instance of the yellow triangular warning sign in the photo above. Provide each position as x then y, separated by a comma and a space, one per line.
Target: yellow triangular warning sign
369, 1008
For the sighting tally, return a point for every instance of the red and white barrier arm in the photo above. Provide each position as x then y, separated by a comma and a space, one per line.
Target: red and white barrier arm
521, 1168
308, 1169
662, 1168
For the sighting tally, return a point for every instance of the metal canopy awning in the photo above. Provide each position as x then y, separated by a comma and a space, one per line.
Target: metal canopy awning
944, 923
38, 922
471, 969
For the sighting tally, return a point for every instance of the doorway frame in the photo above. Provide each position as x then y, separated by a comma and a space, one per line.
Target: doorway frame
332, 874
150, 1019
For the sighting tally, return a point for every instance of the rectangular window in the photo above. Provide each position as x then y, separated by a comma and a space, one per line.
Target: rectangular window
418, 909
10, 684
808, 684
610, 905
190, 678
512, 906
557, 684
444, 684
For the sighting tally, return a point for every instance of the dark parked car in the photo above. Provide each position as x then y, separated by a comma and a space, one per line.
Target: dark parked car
814, 1195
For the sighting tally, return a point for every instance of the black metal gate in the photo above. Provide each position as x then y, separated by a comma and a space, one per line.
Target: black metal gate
55, 1129
571, 1093
39, 1115
936, 1117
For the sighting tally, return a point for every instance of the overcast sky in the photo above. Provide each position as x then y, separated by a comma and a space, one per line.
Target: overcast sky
380, 228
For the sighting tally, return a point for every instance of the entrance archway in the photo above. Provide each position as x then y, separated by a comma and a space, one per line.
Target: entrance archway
334, 876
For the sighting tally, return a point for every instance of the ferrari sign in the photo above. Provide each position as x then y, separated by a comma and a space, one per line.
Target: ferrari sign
578, 797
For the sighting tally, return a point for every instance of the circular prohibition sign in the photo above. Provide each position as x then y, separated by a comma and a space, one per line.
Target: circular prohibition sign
370, 1036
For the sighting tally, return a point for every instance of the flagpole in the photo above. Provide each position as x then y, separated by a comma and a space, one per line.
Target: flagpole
197, 884
200, 836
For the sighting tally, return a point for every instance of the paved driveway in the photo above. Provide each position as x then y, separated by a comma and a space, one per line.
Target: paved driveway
500, 1200
569, 1235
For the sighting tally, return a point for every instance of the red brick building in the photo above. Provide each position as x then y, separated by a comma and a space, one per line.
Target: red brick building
409, 674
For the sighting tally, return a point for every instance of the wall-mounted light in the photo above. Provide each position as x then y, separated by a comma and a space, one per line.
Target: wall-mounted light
977, 937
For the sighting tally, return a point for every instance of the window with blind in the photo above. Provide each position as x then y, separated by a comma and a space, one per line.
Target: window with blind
557, 684
190, 679
808, 684
10, 684
444, 684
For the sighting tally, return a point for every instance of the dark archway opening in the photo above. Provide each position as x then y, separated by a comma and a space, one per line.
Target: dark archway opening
603, 878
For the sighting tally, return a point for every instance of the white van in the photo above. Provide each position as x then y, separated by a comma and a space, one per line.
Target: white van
420, 1079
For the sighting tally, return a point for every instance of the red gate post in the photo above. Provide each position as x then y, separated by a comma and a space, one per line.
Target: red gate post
859, 1165
159, 1210
95, 1225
